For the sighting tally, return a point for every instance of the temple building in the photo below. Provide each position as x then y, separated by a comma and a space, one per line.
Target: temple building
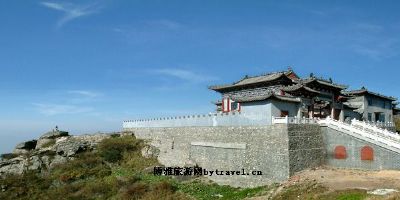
284, 93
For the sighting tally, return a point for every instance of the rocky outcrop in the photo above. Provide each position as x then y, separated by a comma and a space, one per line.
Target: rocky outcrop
25, 147
13, 166
54, 134
51, 149
49, 138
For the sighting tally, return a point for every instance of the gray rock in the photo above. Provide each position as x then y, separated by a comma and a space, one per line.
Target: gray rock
13, 166
92, 140
35, 163
54, 134
71, 146
28, 145
57, 160
46, 161
127, 133
20, 151
53, 148
44, 142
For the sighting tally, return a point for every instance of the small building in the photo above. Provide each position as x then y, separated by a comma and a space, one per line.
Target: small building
284, 93
371, 106
396, 110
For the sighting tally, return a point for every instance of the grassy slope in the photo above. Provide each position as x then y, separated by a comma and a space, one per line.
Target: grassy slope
115, 171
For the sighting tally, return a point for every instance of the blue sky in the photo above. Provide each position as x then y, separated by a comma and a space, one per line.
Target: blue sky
88, 65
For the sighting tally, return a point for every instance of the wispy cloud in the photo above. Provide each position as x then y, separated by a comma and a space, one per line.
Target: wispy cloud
57, 109
374, 41
185, 75
166, 23
85, 93
69, 102
71, 11
151, 31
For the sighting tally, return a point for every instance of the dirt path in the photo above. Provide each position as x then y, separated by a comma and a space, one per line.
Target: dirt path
338, 180
341, 179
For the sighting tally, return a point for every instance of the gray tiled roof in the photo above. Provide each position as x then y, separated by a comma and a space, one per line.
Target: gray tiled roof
365, 91
251, 80
263, 97
297, 87
322, 81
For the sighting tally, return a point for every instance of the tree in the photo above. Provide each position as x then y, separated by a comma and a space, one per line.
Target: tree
397, 123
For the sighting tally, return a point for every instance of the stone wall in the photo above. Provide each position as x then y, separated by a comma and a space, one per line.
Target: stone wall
306, 149
382, 157
269, 149
262, 148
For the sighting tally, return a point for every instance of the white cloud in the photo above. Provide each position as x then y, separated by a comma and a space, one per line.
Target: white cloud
71, 11
169, 24
185, 75
85, 93
57, 109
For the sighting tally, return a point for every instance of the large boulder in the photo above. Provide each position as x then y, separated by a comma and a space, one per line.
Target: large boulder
25, 147
57, 160
93, 139
13, 166
29, 145
35, 163
54, 134
71, 146
49, 138
45, 143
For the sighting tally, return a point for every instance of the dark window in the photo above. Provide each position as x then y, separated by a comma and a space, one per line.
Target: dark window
382, 117
370, 102
367, 153
340, 152
284, 113
369, 116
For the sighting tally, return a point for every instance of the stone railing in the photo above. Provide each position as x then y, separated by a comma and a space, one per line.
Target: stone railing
380, 124
363, 130
370, 127
294, 120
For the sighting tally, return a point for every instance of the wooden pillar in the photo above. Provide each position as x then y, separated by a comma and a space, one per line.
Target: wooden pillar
341, 116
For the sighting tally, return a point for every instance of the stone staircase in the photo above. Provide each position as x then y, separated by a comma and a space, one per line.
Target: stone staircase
365, 131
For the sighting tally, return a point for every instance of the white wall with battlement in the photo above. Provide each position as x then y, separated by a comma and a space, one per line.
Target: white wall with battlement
215, 119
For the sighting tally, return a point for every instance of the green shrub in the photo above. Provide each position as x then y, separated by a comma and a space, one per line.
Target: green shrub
87, 165
26, 186
201, 190
112, 149
134, 160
